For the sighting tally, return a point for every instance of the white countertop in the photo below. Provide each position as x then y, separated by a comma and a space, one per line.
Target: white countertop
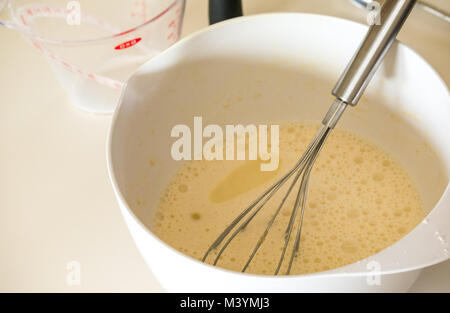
56, 201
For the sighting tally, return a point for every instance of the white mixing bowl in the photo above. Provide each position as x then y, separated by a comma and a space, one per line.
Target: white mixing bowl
284, 67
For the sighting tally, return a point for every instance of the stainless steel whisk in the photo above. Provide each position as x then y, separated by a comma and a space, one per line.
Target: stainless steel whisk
347, 91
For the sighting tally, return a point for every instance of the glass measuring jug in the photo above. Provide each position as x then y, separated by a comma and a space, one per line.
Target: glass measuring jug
93, 46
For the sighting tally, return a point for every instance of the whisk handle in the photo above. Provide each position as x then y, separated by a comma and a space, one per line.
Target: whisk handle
372, 50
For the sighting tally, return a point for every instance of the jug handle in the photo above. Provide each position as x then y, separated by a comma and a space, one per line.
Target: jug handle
221, 10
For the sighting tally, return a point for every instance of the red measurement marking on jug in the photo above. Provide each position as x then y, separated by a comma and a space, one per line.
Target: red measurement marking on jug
128, 44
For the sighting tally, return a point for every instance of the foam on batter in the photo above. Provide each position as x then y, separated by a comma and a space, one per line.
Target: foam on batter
360, 201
